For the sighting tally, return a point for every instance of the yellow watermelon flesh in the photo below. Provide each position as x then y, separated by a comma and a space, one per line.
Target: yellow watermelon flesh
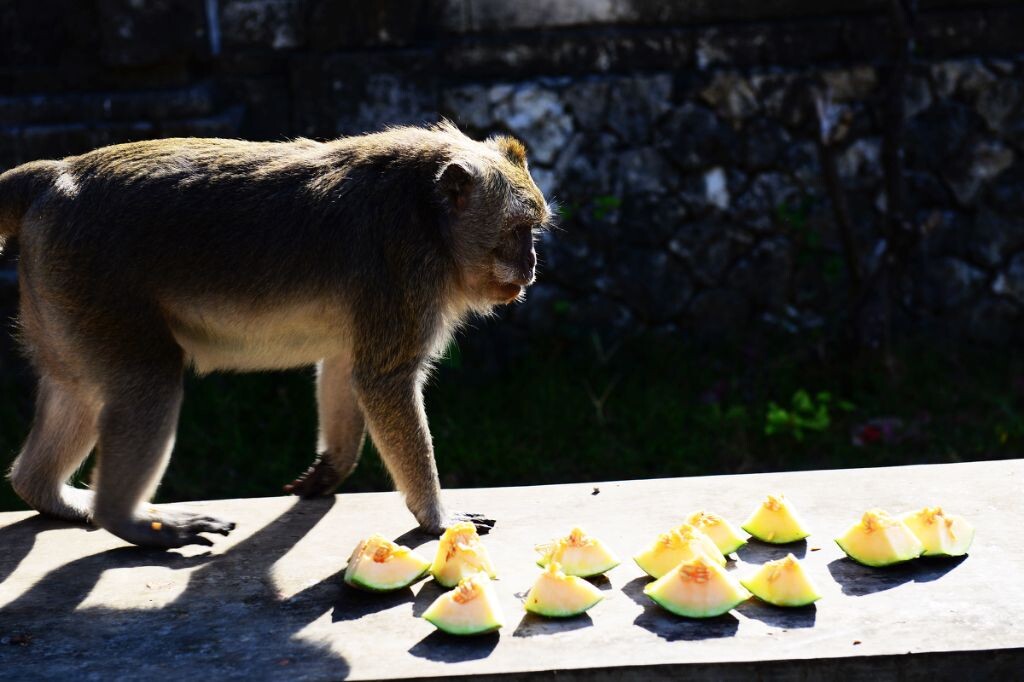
460, 554
558, 595
697, 589
578, 554
783, 582
941, 534
380, 565
880, 540
472, 608
679, 544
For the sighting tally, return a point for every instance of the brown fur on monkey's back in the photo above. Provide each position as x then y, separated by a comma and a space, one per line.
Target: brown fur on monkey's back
220, 213
232, 246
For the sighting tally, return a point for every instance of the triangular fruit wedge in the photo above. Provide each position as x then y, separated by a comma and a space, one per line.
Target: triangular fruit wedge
460, 555
472, 608
941, 534
579, 554
783, 582
380, 565
880, 540
697, 589
679, 544
775, 521
721, 532
558, 595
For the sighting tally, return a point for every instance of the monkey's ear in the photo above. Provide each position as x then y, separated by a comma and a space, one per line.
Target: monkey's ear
455, 183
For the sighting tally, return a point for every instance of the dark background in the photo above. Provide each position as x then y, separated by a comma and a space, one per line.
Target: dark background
792, 233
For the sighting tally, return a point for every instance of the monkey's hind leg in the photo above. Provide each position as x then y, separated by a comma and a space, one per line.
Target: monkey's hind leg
63, 434
136, 435
342, 431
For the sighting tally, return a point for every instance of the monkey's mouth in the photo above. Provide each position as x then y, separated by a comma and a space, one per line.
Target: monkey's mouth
507, 292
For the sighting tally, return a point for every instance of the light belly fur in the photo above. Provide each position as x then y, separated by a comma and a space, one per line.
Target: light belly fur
227, 336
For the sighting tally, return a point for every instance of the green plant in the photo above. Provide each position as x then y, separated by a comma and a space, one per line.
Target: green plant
804, 414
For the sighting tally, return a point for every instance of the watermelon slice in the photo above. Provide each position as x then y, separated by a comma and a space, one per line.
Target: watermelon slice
472, 608
697, 589
558, 595
941, 534
679, 544
721, 532
578, 554
379, 565
459, 555
880, 540
775, 521
783, 583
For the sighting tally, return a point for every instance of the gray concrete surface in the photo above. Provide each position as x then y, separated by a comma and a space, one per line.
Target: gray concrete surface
268, 602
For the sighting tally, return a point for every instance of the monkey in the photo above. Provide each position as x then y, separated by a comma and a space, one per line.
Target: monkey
360, 256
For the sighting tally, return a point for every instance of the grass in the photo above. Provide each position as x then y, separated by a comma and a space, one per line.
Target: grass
651, 409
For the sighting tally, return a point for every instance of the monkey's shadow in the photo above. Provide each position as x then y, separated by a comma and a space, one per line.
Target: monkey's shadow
228, 622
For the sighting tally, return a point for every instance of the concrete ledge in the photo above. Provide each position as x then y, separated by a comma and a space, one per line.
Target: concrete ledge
268, 603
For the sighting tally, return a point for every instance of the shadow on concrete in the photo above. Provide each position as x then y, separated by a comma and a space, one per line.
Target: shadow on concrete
858, 580
353, 604
430, 591
634, 589
601, 582
445, 648
533, 625
757, 552
673, 628
787, 618
18, 539
229, 621
415, 537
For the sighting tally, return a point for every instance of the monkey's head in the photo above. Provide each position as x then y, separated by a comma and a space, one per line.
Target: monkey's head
495, 212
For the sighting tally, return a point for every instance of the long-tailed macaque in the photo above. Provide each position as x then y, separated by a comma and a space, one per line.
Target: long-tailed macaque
360, 255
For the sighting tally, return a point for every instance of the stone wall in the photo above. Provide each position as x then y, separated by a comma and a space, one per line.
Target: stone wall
678, 138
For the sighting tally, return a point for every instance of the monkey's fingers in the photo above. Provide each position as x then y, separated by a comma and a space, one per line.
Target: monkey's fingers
482, 523
319, 479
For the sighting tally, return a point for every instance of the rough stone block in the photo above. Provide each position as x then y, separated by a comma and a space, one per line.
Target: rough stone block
345, 93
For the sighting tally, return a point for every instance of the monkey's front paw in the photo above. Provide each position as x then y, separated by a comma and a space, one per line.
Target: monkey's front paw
168, 529
321, 478
483, 524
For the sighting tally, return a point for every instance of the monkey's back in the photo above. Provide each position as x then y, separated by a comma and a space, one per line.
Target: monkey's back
282, 236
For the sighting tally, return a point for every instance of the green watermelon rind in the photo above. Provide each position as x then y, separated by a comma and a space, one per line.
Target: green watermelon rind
462, 632
689, 613
543, 562
354, 581
561, 613
776, 541
780, 602
726, 552
881, 564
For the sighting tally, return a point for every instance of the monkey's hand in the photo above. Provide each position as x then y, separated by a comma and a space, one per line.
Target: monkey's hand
166, 527
321, 478
483, 525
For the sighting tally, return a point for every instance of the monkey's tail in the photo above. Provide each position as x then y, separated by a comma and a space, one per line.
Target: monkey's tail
19, 187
